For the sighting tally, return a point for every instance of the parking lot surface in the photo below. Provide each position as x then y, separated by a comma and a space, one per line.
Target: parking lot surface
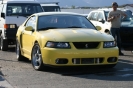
22, 75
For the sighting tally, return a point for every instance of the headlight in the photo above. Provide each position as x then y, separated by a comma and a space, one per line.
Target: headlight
58, 45
109, 44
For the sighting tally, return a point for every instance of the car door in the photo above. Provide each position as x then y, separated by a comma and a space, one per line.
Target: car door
27, 36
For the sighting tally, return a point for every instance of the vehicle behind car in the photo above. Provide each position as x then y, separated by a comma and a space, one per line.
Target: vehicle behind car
50, 6
126, 32
13, 14
99, 18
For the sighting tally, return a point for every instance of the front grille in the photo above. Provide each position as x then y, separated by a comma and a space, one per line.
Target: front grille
87, 60
86, 45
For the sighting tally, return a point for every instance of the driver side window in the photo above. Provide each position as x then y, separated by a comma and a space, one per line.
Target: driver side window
31, 22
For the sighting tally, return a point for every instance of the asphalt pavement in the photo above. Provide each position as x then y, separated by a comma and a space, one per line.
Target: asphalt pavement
3, 82
14, 74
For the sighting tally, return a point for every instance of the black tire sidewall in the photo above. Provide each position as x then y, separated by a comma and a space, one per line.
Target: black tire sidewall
4, 45
20, 57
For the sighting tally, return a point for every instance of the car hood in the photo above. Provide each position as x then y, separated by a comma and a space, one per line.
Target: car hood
77, 35
127, 24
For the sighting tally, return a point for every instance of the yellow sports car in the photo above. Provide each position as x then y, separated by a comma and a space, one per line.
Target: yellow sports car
64, 39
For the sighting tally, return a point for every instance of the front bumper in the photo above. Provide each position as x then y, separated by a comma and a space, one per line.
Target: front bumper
50, 56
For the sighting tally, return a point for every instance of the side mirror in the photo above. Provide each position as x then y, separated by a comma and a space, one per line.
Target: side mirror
98, 28
29, 28
3, 15
101, 20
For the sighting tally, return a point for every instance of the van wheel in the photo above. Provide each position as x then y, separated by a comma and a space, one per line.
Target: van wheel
3, 44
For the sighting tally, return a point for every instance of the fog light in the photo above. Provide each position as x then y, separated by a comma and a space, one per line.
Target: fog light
112, 59
61, 61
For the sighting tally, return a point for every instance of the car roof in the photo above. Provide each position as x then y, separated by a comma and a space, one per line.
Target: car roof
19, 1
106, 10
49, 5
56, 13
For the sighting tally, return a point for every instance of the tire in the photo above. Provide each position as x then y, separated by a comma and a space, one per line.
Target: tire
132, 51
36, 58
18, 52
3, 44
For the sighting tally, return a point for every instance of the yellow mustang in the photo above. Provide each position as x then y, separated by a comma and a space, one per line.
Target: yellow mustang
64, 39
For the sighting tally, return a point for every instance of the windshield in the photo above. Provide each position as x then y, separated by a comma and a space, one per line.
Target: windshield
63, 21
129, 16
51, 8
106, 14
23, 9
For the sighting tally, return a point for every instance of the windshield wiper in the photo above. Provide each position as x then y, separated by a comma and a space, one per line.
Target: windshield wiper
74, 27
47, 28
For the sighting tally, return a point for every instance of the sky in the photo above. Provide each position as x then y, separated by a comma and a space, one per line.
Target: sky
92, 3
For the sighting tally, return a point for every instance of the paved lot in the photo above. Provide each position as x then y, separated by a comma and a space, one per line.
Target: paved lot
22, 75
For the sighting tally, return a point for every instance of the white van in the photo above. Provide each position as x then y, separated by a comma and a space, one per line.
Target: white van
50, 6
12, 14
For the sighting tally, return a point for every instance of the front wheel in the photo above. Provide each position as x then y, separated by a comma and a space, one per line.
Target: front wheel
36, 58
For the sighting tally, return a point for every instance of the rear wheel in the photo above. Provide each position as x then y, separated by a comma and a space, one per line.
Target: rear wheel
36, 58
3, 44
18, 52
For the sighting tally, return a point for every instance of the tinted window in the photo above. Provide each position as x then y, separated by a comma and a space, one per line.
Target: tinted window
51, 8
106, 14
129, 16
23, 9
63, 21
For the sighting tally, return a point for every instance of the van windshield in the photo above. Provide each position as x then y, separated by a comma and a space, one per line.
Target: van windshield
51, 8
23, 9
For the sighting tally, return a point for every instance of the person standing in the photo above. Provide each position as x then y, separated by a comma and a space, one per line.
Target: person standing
114, 17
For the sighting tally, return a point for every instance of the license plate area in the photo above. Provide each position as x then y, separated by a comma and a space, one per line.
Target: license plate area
87, 61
